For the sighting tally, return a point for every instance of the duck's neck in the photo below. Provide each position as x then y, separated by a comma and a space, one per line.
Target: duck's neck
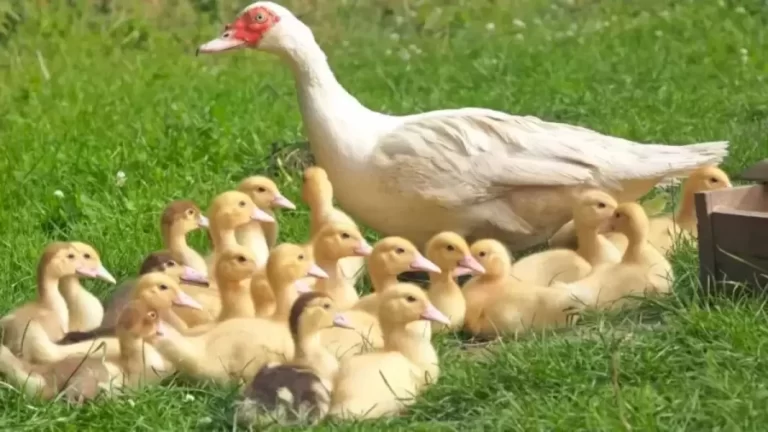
381, 278
634, 252
236, 301
262, 296
175, 241
285, 295
444, 279
589, 243
320, 210
131, 354
686, 214
412, 345
51, 297
222, 237
251, 235
334, 285
310, 353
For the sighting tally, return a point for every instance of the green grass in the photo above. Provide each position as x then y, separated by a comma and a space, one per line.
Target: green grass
121, 90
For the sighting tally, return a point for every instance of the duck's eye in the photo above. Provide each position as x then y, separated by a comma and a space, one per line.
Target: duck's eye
482, 254
410, 299
450, 248
170, 263
327, 306
259, 17
601, 205
71, 256
152, 315
345, 236
713, 180
241, 203
399, 251
617, 215
300, 257
241, 259
261, 189
163, 287
190, 212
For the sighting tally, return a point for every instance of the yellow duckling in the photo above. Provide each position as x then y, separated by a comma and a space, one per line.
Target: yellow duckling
265, 194
179, 218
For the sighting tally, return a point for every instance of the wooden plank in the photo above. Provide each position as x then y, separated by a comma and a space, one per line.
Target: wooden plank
750, 198
707, 264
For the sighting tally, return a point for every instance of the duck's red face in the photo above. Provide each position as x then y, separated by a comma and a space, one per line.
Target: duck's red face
246, 31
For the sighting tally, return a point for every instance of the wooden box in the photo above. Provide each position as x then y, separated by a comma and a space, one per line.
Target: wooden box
733, 234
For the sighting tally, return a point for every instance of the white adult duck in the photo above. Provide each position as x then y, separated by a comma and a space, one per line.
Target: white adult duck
477, 172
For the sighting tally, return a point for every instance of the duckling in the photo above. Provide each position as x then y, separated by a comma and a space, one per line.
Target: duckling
83, 378
643, 269
85, 309
49, 309
157, 290
450, 252
297, 392
500, 304
382, 383
227, 212
262, 295
592, 210
334, 242
179, 218
265, 194
390, 257
664, 230
237, 348
317, 192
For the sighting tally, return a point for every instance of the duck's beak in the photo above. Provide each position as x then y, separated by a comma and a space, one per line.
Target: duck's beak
471, 264
363, 249
203, 222
185, 300
261, 216
302, 287
341, 321
192, 275
283, 202
317, 272
98, 273
219, 44
421, 263
433, 314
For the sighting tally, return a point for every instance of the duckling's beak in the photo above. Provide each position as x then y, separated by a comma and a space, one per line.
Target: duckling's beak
98, 273
203, 222
192, 275
218, 45
283, 202
317, 272
340, 320
421, 263
185, 300
432, 314
261, 216
471, 264
161, 329
363, 249
302, 287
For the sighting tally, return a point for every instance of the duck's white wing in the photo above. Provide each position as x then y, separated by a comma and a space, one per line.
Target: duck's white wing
471, 155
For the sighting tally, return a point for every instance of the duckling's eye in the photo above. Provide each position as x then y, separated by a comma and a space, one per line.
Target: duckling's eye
410, 299
190, 212
241, 203
327, 306
601, 205
241, 259
482, 254
617, 215
170, 263
163, 287
152, 315
261, 189
450, 248
345, 236
399, 251
713, 180
71, 256
300, 257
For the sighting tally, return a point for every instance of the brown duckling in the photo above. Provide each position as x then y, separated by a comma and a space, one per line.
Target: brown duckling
237, 348
499, 304
85, 309
317, 193
84, 378
59, 260
334, 242
179, 218
450, 252
297, 392
383, 383
262, 237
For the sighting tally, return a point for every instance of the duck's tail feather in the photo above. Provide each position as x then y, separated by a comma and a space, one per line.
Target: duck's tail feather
18, 373
682, 160
78, 336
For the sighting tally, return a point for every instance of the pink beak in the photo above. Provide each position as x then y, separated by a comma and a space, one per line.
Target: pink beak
421, 263
341, 321
302, 287
317, 272
461, 271
283, 202
185, 300
219, 44
261, 216
432, 314
192, 275
470, 263
100, 273
363, 249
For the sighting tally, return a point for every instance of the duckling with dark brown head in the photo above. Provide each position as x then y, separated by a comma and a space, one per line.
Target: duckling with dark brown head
297, 392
